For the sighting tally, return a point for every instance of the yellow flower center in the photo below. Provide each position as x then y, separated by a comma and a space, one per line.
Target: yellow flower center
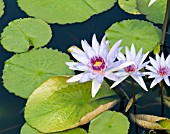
97, 63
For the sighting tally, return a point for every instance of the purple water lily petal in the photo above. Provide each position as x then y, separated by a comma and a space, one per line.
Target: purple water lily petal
95, 87
95, 45
155, 81
151, 2
87, 49
75, 78
113, 52
133, 50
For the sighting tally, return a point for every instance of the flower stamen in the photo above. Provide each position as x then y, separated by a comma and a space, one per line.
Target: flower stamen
130, 68
163, 71
98, 64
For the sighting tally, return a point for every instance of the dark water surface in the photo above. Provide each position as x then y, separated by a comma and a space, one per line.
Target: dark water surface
11, 106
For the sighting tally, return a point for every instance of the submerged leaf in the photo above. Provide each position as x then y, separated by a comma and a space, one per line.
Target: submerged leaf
57, 105
26, 71
1, 7
129, 6
137, 96
155, 12
150, 121
64, 11
20, 34
167, 101
26, 129
109, 122
141, 33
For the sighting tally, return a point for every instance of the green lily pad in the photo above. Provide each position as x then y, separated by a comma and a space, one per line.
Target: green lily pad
57, 105
1, 7
64, 11
26, 129
129, 6
140, 33
109, 122
20, 34
26, 71
155, 12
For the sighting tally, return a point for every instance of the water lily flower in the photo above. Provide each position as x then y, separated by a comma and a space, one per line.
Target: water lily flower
132, 70
97, 62
151, 2
160, 69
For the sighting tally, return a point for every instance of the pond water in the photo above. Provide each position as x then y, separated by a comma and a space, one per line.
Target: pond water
11, 106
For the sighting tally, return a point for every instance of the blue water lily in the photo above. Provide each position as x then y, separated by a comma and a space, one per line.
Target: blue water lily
160, 69
96, 62
132, 70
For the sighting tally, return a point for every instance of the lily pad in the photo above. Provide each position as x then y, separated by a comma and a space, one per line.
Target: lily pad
57, 105
141, 33
64, 11
26, 71
20, 34
26, 129
1, 7
155, 12
109, 122
129, 6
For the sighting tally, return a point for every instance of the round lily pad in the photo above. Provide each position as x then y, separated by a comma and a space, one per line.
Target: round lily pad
1, 7
64, 11
109, 122
129, 6
26, 129
142, 34
57, 105
20, 34
26, 71
155, 12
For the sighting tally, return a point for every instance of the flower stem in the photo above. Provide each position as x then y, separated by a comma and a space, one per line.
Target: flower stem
134, 103
116, 91
122, 97
165, 23
133, 92
162, 98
